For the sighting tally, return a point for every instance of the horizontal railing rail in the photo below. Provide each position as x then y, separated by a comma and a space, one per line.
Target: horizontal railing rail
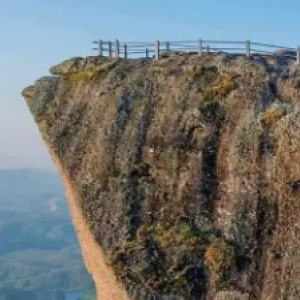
153, 50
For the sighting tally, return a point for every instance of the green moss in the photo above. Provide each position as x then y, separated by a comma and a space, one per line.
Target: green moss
181, 234
186, 231
140, 267
132, 274
131, 246
92, 73
169, 271
86, 75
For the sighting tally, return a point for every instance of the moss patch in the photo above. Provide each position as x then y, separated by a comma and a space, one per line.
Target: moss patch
163, 258
180, 234
86, 75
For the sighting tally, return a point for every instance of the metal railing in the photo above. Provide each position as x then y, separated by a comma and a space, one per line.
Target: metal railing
154, 50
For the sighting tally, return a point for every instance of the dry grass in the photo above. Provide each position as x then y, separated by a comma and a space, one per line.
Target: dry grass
220, 88
86, 75
210, 73
219, 259
97, 72
270, 116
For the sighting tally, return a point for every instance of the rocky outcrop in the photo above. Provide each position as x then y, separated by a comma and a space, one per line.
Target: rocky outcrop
180, 173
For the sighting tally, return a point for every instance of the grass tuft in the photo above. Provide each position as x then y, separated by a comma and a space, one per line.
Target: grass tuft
219, 259
85, 75
270, 116
219, 88
275, 112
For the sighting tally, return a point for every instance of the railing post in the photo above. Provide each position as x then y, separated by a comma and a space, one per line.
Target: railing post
167, 46
147, 53
298, 56
125, 51
100, 47
248, 48
200, 47
156, 49
207, 48
117, 48
109, 49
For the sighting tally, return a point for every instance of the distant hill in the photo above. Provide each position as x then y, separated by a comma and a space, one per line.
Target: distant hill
21, 232
9, 294
39, 251
33, 192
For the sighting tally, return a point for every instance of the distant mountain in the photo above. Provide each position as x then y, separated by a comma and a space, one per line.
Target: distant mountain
21, 232
39, 251
32, 191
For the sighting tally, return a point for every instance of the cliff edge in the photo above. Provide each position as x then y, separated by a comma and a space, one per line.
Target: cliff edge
182, 174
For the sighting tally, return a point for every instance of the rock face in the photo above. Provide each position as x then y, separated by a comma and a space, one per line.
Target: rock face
179, 173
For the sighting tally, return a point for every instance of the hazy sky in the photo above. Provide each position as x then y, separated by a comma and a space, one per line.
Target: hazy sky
36, 34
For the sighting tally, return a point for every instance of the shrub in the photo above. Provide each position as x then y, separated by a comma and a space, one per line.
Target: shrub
274, 113
210, 73
219, 88
219, 259
270, 116
179, 234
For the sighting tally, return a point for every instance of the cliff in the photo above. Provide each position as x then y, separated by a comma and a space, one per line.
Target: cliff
182, 174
